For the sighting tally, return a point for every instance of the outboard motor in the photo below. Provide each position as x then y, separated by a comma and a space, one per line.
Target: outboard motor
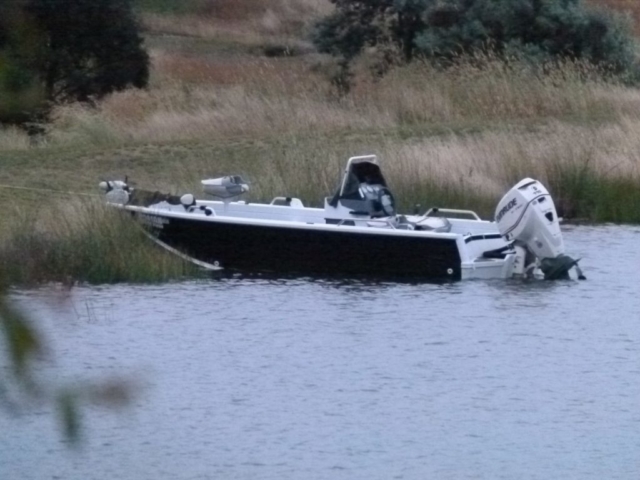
527, 217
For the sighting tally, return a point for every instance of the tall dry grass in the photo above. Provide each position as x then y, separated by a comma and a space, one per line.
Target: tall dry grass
592, 172
460, 136
12, 138
264, 98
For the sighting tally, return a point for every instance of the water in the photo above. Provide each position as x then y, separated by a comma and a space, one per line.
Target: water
316, 379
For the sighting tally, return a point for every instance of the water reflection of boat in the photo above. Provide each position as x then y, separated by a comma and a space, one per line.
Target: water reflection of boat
358, 232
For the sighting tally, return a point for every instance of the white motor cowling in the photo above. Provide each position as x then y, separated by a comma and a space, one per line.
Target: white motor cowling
527, 216
116, 191
225, 188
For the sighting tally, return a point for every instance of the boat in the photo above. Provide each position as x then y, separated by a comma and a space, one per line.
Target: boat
357, 233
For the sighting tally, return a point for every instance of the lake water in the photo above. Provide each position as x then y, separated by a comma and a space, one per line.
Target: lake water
319, 379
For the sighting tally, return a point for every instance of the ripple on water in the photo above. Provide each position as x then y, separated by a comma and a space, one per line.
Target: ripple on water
288, 378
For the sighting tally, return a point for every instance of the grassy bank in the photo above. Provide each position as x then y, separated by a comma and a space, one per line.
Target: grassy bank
81, 241
237, 88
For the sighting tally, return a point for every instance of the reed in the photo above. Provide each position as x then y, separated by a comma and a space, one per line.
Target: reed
482, 88
84, 242
201, 100
11, 138
586, 170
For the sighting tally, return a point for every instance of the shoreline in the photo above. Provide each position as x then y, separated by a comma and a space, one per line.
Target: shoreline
219, 104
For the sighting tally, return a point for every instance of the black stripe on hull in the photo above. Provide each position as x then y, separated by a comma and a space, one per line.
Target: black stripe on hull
490, 236
257, 248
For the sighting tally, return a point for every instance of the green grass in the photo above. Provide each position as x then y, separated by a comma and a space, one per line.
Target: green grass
583, 195
60, 237
84, 242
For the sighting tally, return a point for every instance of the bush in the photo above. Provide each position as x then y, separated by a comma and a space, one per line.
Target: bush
442, 31
356, 24
533, 28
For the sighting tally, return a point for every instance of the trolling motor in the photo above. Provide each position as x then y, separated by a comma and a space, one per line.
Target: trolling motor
226, 188
527, 217
117, 191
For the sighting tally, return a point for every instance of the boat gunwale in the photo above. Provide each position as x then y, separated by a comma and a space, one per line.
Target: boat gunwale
295, 224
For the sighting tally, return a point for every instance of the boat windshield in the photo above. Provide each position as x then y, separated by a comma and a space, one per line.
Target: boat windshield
367, 173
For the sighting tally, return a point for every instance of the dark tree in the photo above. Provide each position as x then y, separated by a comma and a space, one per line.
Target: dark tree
21, 92
357, 24
55, 51
93, 47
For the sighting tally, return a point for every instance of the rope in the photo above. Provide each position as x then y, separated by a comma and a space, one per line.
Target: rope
50, 190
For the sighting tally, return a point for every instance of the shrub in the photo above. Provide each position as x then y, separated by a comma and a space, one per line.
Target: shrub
356, 24
442, 31
532, 28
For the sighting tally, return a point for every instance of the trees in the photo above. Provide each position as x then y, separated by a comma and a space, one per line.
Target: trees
442, 31
21, 92
539, 29
357, 24
60, 50
92, 47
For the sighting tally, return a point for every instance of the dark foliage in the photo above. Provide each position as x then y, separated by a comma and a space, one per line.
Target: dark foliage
66, 50
20, 90
360, 23
93, 47
537, 29
442, 31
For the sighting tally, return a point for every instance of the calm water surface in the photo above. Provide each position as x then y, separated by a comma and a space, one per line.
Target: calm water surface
317, 379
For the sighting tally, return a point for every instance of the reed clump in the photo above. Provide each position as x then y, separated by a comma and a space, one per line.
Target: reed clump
593, 175
12, 138
84, 242
590, 172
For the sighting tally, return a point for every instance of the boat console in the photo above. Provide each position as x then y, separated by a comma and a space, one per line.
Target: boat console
363, 192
